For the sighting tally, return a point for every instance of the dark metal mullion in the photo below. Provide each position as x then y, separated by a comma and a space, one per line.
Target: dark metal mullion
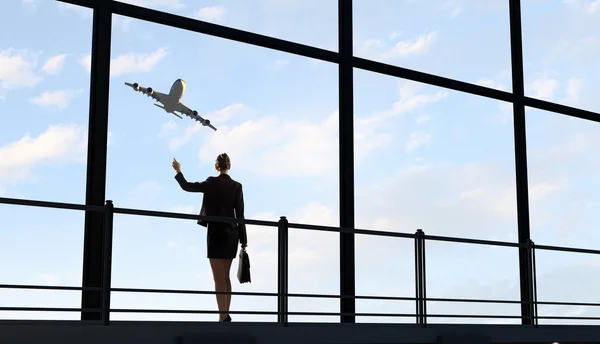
525, 272
194, 25
93, 242
346, 164
190, 24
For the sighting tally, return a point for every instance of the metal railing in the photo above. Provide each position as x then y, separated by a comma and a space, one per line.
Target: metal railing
282, 294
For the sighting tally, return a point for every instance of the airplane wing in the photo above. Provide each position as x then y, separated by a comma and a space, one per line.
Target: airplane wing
158, 96
182, 108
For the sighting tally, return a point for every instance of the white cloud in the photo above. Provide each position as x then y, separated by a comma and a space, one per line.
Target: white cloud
215, 118
418, 46
301, 144
544, 189
54, 64
167, 128
16, 69
383, 51
417, 139
149, 186
49, 279
84, 12
410, 99
65, 142
594, 6
31, 4
171, 244
59, 99
574, 86
212, 13
170, 4
422, 119
465, 198
184, 209
585, 6
297, 145
543, 88
130, 63
491, 84
86, 62
278, 64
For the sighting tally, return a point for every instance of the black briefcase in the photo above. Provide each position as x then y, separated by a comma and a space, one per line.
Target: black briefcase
243, 273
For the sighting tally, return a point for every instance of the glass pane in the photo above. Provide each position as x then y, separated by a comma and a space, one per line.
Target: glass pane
562, 167
44, 102
438, 160
311, 22
276, 117
567, 277
466, 40
172, 255
560, 51
40, 246
469, 271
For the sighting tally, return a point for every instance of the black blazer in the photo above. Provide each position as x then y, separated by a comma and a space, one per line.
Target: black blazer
223, 196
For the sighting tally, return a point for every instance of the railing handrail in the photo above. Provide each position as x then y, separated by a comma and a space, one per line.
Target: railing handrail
282, 294
373, 232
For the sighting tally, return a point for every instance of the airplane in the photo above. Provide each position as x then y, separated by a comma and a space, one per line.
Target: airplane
170, 102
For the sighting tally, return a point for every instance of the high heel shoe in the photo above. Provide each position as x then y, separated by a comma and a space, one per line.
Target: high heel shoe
228, 319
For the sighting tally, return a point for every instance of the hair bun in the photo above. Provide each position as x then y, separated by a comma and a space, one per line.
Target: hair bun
223, 162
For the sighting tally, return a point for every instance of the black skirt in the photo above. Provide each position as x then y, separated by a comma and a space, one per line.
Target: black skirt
222, 240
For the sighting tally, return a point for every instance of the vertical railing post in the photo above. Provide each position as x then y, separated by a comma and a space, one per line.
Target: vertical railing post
423, 278
533, 283
282, 276
419, 276
417, 280
107, 264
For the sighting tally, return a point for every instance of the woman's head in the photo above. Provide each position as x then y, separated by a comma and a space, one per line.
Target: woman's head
222, 163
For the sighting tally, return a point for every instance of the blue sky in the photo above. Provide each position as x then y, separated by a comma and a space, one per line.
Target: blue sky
425, 157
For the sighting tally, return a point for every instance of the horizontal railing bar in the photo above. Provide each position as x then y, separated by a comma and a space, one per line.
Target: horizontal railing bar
46, 287
190, 311
166, 214
163, 214
48, 309
474, 241
48, 204
297, 295
566, 249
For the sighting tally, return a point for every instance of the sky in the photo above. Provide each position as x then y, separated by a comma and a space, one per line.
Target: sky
425, 157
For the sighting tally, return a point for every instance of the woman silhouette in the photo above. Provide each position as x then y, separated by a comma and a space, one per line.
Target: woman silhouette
223, 196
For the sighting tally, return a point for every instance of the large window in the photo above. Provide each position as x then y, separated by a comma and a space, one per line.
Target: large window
564, 209
276, 117
429, 152
441, 161
44, 101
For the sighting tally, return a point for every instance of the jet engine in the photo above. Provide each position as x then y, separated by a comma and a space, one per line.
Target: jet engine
149, 91
194, 113
136, 86
206, 122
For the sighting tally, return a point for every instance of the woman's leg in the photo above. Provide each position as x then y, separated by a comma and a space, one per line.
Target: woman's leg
220, 278
226, 273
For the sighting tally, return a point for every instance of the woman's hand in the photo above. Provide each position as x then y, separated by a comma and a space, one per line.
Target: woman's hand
176, 165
